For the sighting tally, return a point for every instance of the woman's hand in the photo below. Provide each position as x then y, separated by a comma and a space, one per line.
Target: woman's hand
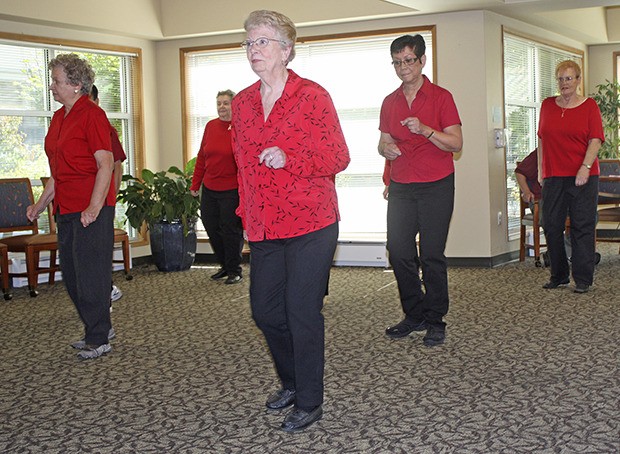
415, 126
583, 174
194, 193
89, 215
390, 151
33, 212
272, 157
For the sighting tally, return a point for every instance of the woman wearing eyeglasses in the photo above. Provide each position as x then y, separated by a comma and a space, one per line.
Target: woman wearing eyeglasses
420, 130
289, 146
570, 133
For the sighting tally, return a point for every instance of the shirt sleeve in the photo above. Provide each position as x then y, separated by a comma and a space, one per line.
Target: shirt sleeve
117, 148
323, 150
199, 169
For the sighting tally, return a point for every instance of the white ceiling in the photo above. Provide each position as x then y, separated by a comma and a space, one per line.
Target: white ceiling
587, 21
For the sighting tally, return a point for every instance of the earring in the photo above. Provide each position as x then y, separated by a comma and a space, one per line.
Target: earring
75, 91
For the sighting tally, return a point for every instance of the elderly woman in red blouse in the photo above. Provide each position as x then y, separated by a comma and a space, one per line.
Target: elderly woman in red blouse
289, 146
78, 147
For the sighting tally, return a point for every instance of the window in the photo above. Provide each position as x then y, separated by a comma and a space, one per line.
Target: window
26, 104
529, 78
357, 73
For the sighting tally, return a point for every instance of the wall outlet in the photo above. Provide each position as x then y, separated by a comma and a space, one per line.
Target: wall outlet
499, 218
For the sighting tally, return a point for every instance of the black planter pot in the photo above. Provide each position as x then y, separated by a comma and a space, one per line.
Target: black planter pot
172, 251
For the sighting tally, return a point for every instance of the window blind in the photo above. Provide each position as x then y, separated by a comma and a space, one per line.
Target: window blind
357, 73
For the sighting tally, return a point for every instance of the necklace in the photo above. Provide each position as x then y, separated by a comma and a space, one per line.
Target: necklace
564, 109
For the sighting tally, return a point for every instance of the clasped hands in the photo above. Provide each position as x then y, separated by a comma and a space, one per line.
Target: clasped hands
272, 157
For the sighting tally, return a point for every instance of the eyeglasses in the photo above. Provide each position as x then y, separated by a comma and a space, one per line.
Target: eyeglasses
407, 62
566, 79
261, 42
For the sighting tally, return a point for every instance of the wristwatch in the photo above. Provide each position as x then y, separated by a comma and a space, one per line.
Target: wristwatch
587, 166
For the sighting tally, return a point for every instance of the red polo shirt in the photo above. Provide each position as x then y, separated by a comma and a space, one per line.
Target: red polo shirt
301, 197
70, 145
421, 161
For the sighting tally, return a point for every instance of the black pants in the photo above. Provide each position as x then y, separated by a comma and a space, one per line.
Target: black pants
288, 279
424, 209
86, 263
217, 211
562, 198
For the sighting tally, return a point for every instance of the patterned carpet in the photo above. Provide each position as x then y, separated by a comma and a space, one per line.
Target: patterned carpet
523, 370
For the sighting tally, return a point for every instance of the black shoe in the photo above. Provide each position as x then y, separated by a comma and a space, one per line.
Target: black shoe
221, 274
233, 279
299, 419
405, 328
435, 335
282, 398
582, 288
553, 284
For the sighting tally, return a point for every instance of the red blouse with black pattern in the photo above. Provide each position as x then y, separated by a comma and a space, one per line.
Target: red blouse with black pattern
301, 197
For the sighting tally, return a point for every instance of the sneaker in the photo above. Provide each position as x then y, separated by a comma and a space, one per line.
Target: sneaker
92, 352
405, 328
233, 279
435, 335
582, 288
553, 284
221, 274
116, 294
81, 344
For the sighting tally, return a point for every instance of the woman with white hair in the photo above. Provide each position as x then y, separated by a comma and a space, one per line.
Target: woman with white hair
289, 147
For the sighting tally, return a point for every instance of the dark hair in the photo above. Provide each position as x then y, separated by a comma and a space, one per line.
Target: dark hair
94, 93
415, 42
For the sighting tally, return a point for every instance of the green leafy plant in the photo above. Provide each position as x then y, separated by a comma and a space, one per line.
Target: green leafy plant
608, 100
161, 197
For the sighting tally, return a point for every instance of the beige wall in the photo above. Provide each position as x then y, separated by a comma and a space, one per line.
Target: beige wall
469, 51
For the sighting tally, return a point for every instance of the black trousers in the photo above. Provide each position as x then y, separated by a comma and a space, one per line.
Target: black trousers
562, 198
86, 263
288, 279
217, 211
424, 209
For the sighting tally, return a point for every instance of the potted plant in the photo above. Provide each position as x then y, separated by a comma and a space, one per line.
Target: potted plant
163, 201
608, 101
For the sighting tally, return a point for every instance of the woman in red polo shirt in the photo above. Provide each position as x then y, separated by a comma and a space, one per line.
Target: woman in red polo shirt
78, 148
420, 130
289, 146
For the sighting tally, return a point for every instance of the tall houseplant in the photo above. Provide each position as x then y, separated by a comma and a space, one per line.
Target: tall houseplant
163, 201
608, 100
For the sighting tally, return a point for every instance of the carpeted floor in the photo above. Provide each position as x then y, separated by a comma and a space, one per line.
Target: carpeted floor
523, 370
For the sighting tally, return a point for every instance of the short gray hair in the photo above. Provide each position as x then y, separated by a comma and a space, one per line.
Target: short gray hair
229, 93
281, 24
78, 70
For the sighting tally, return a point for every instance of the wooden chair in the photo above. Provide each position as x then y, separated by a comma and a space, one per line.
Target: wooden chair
530, 217
15, 196
120, 237
4, 271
